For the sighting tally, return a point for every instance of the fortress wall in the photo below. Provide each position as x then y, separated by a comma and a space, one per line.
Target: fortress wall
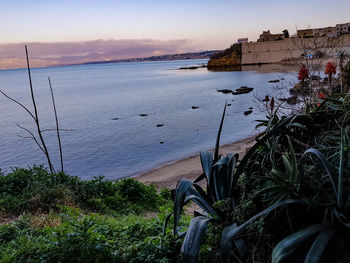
276, 51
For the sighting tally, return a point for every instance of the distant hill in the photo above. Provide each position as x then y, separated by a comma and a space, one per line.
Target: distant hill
192, 55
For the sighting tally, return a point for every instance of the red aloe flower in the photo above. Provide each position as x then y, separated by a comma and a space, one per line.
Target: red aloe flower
321, 96
330, 70
303, 73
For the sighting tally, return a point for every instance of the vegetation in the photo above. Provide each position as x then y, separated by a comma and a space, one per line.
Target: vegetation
57, 223
287, 198
285, 33
35, 190
70, 236
233, 49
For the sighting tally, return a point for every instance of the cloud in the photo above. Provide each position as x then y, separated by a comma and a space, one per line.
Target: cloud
64, 53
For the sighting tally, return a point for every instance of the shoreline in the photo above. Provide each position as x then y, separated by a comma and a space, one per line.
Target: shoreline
190, 168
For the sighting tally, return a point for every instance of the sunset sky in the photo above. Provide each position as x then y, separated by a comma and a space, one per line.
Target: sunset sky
97, 30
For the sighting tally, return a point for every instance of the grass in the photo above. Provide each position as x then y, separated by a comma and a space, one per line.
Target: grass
35, 190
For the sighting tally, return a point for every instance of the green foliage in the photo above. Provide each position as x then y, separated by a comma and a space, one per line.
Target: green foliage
36, 190
86, 238
233, 49
290, 192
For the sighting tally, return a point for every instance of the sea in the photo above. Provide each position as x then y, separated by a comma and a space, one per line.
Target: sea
99, 108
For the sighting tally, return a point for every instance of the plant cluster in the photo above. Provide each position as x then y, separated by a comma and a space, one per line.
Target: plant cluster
70, 236
288, 198
36, 190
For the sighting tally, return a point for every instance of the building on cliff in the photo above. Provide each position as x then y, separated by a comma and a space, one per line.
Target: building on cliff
267, 36
305, 33
325, 31
343, 28
242, 40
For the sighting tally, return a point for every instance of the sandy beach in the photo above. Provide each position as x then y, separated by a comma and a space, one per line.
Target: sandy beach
190, 167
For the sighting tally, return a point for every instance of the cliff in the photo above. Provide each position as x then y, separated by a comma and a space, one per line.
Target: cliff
231, 57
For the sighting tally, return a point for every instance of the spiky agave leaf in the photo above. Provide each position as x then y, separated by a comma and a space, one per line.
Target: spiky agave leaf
224, 178
289, 244
180, 195
326, 165
217, 145
276, 129
319, 245
194, 238
207, 162
186, 191
233, 233
226, 245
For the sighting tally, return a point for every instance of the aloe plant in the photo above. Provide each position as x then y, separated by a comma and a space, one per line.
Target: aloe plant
299, 165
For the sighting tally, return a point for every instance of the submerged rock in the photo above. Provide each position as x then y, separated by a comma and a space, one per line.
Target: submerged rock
248, 112
143, 115
225, 91
115, 119
161, 142
160, 125
242, 90
194, 107
274, 81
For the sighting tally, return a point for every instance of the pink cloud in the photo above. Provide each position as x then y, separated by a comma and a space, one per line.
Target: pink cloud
63, 53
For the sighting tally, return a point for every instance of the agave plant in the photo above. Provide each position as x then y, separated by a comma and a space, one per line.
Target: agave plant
218, 171
221, 174
335, 208
296, 165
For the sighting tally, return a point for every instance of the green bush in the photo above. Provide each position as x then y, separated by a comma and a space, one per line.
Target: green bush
86, 238
36, 190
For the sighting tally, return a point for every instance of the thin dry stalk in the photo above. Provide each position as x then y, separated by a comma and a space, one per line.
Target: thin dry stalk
57, 125
36, 119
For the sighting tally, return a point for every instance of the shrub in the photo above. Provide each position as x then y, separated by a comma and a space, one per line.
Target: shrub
36, 190
86, 238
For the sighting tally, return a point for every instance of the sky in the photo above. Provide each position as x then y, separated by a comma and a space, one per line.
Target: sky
80, 30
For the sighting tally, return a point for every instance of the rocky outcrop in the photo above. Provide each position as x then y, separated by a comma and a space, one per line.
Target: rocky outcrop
229, 58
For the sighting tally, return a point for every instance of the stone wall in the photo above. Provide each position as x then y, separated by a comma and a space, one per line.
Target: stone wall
276, 51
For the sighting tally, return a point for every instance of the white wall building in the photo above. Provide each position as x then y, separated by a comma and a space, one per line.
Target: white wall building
242, 40
343, 28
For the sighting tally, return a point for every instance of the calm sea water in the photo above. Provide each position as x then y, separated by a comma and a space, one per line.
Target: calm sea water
88, 97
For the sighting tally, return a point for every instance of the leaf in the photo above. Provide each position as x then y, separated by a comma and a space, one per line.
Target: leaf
326, 165
262, 141
193, 239
223, 176
289, 244
293, 162
180, 195
341, 170
226, 245
203, 204
200, 178
234, 232
166, 222
319, 245
216, 155
207, 162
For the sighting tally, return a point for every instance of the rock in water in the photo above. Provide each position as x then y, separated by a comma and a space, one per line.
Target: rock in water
225, 91
160, 125
248, 112
143, 115
194, 107
242, 90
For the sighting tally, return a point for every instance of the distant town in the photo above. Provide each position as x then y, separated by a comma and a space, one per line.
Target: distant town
330, 31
